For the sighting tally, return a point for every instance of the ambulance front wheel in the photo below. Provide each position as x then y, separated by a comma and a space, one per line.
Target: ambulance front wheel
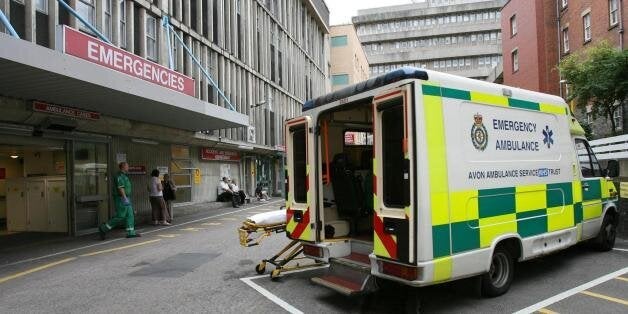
499, 277
605, 240
261, 268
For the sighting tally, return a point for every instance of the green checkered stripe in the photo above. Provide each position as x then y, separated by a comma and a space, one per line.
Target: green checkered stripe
489, 99
545, 208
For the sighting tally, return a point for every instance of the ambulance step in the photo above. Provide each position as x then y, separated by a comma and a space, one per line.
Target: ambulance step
362, 247
348, 275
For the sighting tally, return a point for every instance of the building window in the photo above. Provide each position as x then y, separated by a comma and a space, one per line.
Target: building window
586, 23
108, 10
617, 116
42, 6
339, 79
589, 117
122, 23
339, 41
513, 25
566, 40
86, 9
564, 3
151, 38
515, 60
613, 11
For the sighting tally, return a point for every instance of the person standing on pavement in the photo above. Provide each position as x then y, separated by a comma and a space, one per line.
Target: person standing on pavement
170, 190
124, 209
157, 203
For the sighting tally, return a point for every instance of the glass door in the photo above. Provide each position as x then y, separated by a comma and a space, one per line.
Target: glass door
90, 174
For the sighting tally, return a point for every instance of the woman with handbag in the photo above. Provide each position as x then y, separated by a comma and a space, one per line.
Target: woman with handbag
169, 194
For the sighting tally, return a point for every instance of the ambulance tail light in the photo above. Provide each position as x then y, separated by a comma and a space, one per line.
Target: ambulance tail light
311, 250
409, 273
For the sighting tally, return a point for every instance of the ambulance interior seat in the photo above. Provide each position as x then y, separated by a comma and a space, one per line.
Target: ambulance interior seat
347, 189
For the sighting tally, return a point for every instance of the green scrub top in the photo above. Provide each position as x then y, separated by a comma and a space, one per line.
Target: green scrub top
122, 181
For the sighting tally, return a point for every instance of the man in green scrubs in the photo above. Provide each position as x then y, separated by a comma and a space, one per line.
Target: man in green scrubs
122, 200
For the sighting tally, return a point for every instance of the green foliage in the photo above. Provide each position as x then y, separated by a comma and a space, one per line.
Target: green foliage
598, 77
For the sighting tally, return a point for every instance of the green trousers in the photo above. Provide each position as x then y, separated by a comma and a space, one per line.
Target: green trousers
124, 214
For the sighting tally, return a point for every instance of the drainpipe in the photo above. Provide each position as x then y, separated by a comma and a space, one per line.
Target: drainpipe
621, 24
560, 79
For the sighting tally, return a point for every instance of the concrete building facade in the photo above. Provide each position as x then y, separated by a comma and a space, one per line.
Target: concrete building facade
267, 57
461, 37
349, 64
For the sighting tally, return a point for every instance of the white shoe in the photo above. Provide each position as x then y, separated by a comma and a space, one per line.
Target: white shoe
165, 223
155, 223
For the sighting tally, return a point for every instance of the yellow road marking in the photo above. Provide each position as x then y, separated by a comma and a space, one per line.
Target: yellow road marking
605, 297
621, 278
191, 229
120, 248
173, 235
226, 218
547, 311
36, 269
211, 224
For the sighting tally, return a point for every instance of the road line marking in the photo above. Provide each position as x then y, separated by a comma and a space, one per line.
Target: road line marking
36, 269
621, 278
618, 249
570, 292
547, 311
271, 296
605, 297
211, 224
120, 248
229, 219
191, 229
289, 272
120, 239
172, 235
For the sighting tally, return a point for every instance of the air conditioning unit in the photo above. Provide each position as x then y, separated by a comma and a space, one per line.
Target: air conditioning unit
250, 134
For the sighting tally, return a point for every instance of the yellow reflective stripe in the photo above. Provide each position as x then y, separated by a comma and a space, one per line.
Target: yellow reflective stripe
591, 209
560, 217
464, 206
378, 247
437, 159
307, 233
549, 108
492, 227
530, 197
489, 99
442, 268
577, 191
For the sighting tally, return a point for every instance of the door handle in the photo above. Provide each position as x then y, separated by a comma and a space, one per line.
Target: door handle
585, 186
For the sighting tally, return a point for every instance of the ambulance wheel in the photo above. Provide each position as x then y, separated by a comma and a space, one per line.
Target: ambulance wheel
260, 268
605, 240
274, 275
499, 277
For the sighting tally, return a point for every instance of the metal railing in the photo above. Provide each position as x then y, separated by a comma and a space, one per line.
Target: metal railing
7, 24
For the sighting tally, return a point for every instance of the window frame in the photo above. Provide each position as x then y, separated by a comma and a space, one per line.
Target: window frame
513, 25
122, 24
150, 38
87, 4
612, 13
596, 172
514, 54
565, 34
586, 30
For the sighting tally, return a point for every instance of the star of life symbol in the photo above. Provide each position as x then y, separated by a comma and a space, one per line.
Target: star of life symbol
479, 136
547, 137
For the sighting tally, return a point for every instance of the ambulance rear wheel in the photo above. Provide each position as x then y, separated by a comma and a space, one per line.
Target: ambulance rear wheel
260, 268
499, 277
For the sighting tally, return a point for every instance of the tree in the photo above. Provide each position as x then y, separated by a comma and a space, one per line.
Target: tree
598, 76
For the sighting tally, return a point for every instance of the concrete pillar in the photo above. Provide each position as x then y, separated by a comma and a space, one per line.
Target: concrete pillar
180, 52
29, 21
99, 17
199, 16
115, 22
179, 10
221, 23
142, 31
186, 13
53, 19
188, 65
73, 21
130, 26
209, 12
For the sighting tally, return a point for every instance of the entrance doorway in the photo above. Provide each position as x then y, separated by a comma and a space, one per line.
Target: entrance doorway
90, 189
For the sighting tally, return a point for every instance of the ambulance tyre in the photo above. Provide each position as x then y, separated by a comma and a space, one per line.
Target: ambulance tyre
605, 240
499, 277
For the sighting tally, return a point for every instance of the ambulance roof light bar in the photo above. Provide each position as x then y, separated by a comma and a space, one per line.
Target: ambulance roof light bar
170, 29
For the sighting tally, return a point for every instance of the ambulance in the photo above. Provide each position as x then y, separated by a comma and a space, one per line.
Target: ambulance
421, 177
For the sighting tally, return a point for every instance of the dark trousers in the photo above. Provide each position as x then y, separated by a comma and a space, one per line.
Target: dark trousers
228, 196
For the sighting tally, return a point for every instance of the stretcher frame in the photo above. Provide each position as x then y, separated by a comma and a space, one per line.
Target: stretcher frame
291, 252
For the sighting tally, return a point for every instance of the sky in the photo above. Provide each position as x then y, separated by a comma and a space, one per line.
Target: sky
341, 11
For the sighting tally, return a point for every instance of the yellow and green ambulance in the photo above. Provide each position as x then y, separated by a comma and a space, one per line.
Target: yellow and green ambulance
421, 177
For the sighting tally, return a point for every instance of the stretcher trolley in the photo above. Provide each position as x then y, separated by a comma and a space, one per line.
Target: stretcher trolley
258, 227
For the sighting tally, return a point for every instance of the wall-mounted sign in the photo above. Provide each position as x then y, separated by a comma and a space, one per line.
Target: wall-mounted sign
65, 111
91, 49
197, 176
137, 170
214, 154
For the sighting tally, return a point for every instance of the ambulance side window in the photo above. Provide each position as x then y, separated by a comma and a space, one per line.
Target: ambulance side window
299, 157
393, 155
589, 165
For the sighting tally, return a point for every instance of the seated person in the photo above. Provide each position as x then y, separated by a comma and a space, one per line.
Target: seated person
261, 194
227, 194
236, 189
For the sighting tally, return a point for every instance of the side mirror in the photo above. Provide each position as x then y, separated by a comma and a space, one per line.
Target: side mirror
612, 168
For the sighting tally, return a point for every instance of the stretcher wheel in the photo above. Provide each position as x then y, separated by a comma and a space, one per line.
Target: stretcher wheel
261, 268
275, 274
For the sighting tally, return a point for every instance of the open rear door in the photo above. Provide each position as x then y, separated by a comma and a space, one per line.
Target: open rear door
301, 212
393, 175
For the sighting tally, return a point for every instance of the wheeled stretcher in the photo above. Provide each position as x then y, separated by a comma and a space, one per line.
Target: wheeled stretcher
261, 226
